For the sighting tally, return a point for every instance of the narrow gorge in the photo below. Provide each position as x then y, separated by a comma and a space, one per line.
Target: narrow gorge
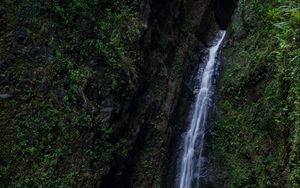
149, 94
191, 168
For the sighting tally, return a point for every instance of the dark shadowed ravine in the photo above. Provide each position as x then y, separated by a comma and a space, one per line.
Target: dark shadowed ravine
144, 93
191, 169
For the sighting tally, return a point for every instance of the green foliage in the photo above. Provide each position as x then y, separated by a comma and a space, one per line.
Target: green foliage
184, 42
52, 130
257, 135
178, 63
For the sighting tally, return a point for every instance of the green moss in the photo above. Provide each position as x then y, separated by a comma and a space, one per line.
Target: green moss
257, 133
178, 65
49, 133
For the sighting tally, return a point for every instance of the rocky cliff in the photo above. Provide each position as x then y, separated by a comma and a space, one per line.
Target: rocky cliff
89, 89
257, 132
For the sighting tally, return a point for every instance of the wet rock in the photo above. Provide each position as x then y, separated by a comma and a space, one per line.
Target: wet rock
42, 88
5, 79
34, 52
123, 72
21, 37
237, 36
17, 51
5, 96
48, 53
98, 63
61, 93
223, 10
3, 65
43, 51
21, 17
105, 112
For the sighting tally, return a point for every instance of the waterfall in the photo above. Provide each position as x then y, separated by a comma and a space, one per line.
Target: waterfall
191, 160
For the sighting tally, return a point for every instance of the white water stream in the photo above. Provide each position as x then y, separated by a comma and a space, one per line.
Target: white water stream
191, 160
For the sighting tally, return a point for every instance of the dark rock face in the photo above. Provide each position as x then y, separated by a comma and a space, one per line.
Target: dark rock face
223, 10
149, 107
179, 120
156, 118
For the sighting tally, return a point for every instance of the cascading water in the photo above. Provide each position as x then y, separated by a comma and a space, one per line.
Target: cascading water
190, 171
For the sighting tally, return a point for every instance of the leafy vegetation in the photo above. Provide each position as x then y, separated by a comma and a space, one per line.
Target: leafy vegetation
257, 134
59, 62
67, 68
